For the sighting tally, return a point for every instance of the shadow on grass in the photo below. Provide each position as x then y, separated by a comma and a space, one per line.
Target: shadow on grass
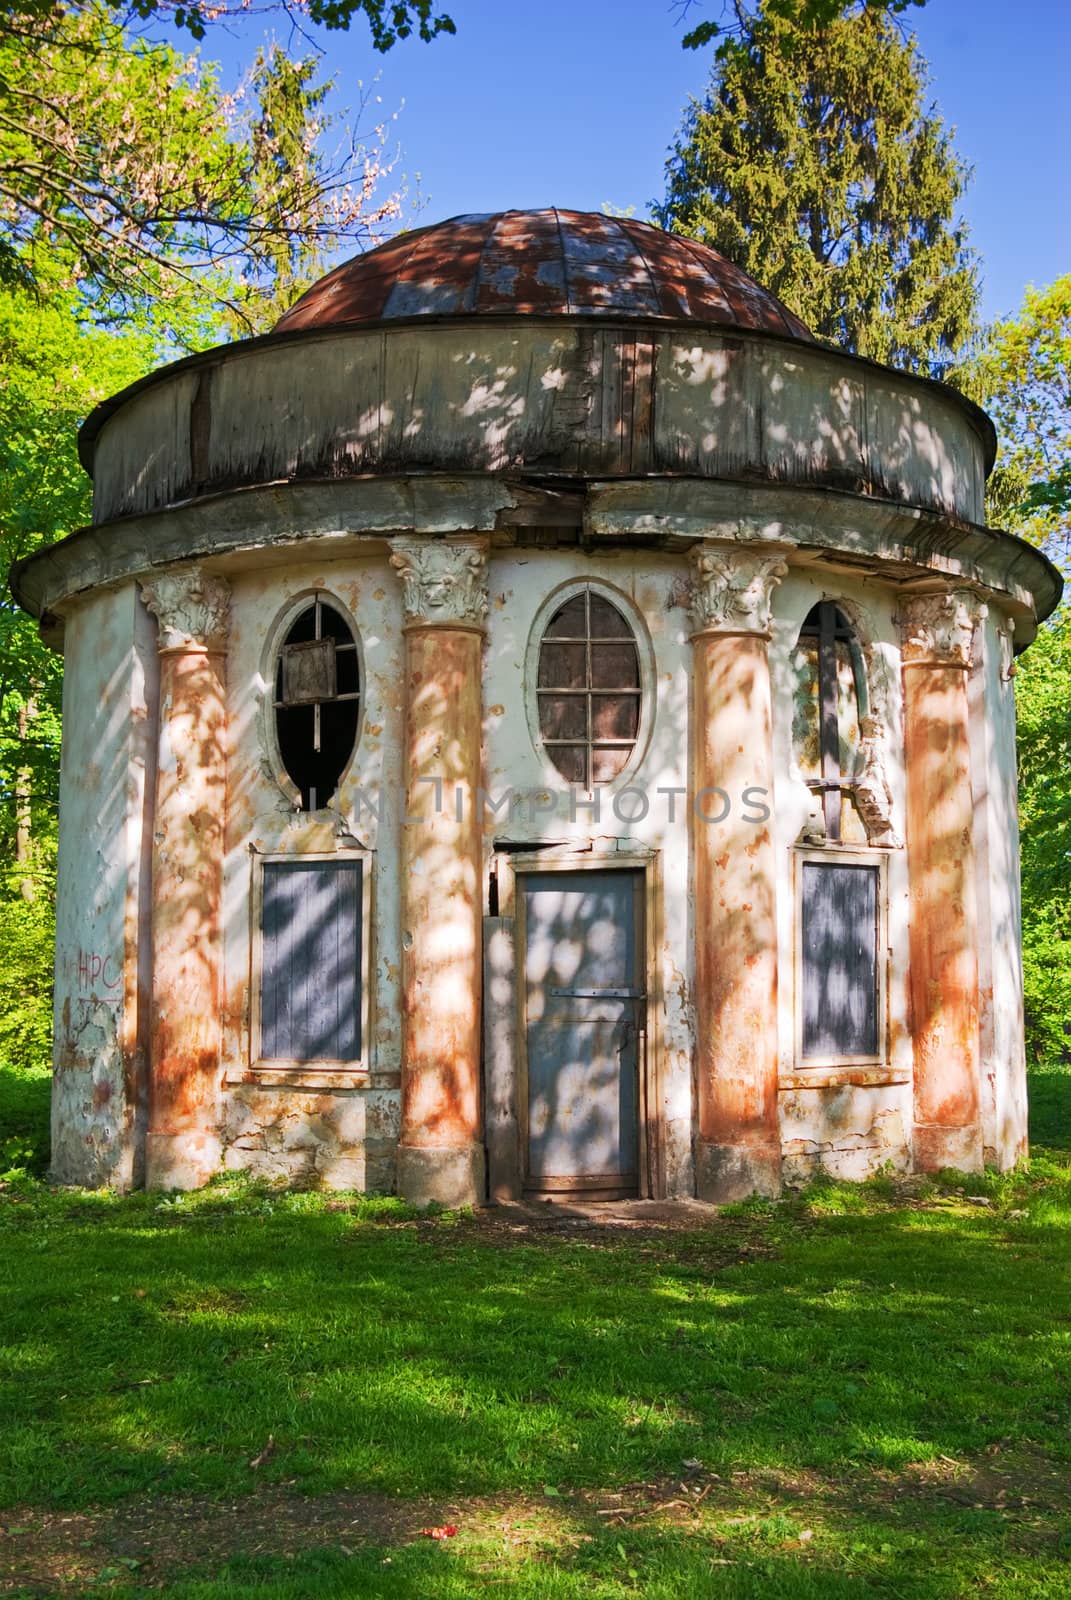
158, 1345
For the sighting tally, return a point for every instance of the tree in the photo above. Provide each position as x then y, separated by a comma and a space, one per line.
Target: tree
1021, 373
53, 369
126, 172
812, 163
805, 16
1043, 708
388, 20
142, 212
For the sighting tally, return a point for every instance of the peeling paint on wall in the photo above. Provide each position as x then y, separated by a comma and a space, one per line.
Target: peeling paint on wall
344, 1140
847, 1132
106, 782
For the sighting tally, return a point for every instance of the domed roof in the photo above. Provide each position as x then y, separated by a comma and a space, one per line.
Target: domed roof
541, 263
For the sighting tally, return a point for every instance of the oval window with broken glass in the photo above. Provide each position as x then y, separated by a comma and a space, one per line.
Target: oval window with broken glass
588, 689
317, 701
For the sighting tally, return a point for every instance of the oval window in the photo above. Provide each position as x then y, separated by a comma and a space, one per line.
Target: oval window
588, 690
317, 701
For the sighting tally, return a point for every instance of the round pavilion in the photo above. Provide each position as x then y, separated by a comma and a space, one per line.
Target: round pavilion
537, 723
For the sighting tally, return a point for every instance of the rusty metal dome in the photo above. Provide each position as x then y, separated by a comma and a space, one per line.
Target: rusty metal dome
541, 263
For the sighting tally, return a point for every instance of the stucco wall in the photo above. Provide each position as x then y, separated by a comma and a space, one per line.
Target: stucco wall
302, 1130
996, 836
107, 775
844, 1127
305, 1127
653, 586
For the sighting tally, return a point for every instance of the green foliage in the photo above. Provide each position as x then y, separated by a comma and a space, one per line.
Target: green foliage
27, 943
131, 177
26, 950
24, 1122
54, 367
805, 16
53, 370
1043, 705
1043, 709
1047, 981
1022, 375
388, 20
1050, 1106
812, 163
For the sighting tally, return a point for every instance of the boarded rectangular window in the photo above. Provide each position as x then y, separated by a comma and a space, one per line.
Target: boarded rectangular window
839, 960
310, 1005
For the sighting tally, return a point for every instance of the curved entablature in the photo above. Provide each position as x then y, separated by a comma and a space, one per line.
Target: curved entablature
333, 520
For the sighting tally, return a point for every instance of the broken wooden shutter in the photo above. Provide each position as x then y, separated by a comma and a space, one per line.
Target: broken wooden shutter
310, 1008
840, 960
830, 698
317, 701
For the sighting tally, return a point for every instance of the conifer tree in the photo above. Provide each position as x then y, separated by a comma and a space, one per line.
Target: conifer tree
814, 164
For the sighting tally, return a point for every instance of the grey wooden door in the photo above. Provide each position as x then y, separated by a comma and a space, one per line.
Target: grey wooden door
584, 1020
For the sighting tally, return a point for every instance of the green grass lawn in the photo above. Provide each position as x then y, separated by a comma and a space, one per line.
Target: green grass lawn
243, 1394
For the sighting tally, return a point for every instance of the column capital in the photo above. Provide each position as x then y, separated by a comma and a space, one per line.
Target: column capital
936, 630
444, 581
732, 589
192, 608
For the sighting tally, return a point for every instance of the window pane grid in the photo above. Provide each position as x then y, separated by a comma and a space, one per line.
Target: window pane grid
610, 691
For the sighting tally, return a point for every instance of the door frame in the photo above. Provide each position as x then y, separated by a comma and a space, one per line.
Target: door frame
514, 867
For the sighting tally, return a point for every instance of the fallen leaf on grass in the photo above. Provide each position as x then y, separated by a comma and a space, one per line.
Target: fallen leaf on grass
446, 1530
265, 1455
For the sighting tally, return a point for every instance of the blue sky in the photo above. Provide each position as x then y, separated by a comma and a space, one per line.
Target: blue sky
574, 102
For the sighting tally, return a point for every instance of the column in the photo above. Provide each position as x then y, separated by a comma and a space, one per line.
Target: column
182, 1144
738, 1151
937, 632
441, 1155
